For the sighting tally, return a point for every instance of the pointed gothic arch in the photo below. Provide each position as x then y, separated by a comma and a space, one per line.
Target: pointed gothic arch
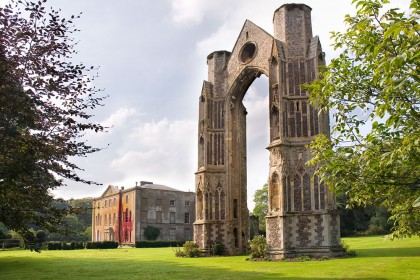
289, 58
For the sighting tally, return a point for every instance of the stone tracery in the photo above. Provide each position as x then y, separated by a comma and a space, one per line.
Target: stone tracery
300, 208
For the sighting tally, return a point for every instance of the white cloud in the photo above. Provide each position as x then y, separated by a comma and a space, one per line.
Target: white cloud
162, 151
188, 11
191, 12
120, 117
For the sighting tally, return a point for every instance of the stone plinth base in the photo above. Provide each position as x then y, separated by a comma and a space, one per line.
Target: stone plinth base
314, 252
314, 233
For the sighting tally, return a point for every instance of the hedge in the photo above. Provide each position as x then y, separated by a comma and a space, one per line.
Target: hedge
10, 243
102, 245
65, 245
158, 244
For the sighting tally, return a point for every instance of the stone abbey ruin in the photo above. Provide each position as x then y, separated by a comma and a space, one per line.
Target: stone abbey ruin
302, 217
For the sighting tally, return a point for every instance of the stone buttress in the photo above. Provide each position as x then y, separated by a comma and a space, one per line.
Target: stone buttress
302, 219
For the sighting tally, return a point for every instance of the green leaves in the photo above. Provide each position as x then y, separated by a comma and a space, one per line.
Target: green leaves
261, 205
373, 91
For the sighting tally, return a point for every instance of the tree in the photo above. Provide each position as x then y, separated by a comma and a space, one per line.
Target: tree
45, 104
373, 90
77, 225
261, 206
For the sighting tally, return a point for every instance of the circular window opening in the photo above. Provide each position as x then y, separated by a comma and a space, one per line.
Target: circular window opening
248, 52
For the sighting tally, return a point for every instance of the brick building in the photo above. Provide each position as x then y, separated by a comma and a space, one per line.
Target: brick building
122, 214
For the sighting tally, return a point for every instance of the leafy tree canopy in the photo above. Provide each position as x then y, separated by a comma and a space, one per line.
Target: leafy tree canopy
261, 206
45, 105
373, 90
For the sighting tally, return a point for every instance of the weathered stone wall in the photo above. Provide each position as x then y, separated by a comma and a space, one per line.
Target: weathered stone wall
301, 216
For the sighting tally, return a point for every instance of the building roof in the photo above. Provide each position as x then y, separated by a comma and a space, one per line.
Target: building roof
158, 187
111, 190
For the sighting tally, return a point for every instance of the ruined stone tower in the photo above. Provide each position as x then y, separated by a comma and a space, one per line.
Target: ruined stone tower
302, 219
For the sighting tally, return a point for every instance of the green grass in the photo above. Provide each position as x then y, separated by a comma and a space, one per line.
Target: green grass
376, 259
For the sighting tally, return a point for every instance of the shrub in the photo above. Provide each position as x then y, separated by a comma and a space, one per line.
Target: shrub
217, 248
151, 233
304, 258
190, 249
258, 246
40, 236
54, 246
65, 246
102, 245
10, 243
179, 252
347, 252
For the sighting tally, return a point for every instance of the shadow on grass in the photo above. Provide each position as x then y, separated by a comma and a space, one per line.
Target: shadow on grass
389, 252
63, 269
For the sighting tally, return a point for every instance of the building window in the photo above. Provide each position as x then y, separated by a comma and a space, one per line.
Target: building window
172, 217
115, 201
109, 220
187, 218
127, 199
187, 203
110, 202
99, 204
172, 202
106, 203
106, 220
114, 218
172, 232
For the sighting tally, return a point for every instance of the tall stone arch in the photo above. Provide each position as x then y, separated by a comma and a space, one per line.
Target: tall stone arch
302, 218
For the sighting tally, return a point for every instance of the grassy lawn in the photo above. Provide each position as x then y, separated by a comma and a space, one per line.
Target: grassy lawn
376, 259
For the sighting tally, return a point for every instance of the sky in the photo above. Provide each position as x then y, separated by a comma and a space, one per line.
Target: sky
152, 63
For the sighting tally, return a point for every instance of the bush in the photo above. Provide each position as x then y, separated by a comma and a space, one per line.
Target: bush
158, 244
258, 246
347, 252
54, 246
10, 243
217, 248
190, 249
179, 252
303, 258
151, 233
102, 245
40, 236
65, 246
